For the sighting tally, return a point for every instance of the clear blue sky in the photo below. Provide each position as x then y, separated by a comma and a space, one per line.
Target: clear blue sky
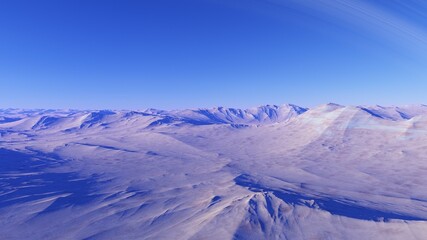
168, 54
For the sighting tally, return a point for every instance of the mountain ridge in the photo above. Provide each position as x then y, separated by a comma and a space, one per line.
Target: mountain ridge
38, 119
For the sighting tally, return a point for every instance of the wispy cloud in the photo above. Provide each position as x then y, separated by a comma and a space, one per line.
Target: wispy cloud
372, 19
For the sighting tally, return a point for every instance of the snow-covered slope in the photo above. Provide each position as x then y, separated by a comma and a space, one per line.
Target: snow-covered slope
259, 115
396, 113
273, 172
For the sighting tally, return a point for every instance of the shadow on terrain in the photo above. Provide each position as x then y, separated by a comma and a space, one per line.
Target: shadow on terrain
333, 206
26, 177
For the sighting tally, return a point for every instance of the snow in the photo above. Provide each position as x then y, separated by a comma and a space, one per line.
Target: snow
272, 172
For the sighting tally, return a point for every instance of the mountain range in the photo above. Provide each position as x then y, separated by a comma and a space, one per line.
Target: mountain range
271, 172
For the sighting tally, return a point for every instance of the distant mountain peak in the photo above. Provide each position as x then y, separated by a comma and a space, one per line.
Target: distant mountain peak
42, 119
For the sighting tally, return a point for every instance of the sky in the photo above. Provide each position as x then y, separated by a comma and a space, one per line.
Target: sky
169, 54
